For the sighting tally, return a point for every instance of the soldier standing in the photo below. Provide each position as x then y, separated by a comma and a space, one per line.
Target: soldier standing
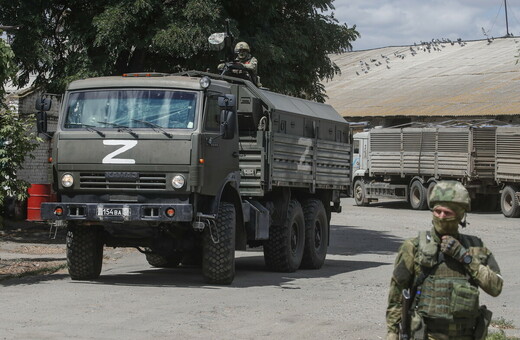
434, 291
243, 58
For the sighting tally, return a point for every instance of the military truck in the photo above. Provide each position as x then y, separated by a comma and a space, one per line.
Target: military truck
507, 172
405, 163
190, 167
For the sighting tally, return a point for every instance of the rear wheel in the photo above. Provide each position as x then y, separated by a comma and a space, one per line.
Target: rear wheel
509, 202
431, 185
218, 247
360, 193
316, 234
418, 195
283, 251
84, 252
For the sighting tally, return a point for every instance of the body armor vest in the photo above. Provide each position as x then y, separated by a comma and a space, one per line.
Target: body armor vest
447, 292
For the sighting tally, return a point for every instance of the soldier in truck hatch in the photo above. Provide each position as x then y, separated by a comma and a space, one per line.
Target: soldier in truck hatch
245, 65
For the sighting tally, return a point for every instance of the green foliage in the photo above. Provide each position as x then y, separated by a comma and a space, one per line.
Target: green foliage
15, 141
500, 335
64, 40
502, 323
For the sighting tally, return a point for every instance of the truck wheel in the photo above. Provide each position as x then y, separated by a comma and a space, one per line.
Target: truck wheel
509, 202
431, 185
360, 193
218, 247
84, 252
418, 199
283, 251
316, 234
159, 261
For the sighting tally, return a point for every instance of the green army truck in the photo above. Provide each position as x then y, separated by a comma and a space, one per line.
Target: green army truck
190, 167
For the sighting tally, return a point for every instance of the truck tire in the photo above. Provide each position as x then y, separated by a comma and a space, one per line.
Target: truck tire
316, 234
218, 247
159, 261
431, 185
360, 193
509, 202
84, 252
418, 196
283, 251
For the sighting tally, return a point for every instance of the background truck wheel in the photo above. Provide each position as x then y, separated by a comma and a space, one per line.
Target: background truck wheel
429, 191
316, 234
218, 247
159, 261
84, 252
418, 196
283, 251
360, 193
509, 202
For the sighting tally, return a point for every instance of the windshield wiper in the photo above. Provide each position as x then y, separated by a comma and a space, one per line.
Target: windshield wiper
90, 128
121, 128
155, 127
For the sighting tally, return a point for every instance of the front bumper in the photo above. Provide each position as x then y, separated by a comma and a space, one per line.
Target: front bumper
114, 212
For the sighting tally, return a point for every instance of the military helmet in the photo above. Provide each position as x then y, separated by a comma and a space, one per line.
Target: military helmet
450, 191
242, 46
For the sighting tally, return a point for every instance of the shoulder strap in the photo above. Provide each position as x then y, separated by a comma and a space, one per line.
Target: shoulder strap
471, 241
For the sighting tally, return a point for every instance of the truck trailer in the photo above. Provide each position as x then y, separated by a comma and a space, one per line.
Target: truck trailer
405, 163
190, 167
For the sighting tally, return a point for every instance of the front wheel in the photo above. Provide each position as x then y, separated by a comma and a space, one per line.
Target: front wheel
84, 252
509, 202
283, 251
218, 247
360, 193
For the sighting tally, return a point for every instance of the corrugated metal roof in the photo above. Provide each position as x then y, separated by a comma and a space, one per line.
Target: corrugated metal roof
475, 78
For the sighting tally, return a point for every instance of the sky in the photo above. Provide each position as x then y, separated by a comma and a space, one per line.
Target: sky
383, 23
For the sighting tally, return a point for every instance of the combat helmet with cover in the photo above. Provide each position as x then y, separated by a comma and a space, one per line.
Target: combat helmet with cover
450, 192
242, 50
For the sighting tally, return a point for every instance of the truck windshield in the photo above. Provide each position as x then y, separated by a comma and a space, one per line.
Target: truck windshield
131, 108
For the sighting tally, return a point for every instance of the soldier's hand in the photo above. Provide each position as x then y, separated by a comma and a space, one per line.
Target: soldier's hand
452, 247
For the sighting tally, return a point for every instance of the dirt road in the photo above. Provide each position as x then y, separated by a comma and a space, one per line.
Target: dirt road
346, 299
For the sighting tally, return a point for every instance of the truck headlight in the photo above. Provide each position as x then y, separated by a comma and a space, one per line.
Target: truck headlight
178, 181
67, 180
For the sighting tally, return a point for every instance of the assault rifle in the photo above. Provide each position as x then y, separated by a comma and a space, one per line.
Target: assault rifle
404, 325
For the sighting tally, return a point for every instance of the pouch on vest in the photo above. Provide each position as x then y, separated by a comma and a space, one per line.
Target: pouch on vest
483, 322
417, 327
464, 301
428, 248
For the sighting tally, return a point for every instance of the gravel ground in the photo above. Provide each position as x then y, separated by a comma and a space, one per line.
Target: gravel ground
346, 299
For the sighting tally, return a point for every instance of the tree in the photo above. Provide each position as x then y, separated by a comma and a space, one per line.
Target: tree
62, 40
16, 142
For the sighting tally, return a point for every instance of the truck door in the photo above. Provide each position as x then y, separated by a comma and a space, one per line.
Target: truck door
220, 155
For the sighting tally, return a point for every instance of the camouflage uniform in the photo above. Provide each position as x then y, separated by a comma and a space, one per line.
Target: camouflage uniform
446, 301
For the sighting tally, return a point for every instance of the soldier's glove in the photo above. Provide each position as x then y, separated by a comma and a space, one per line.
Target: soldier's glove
452, 247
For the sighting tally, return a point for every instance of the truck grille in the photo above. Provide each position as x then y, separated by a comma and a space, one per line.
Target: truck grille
98, 180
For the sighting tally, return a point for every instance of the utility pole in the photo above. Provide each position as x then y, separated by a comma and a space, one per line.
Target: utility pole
507, 23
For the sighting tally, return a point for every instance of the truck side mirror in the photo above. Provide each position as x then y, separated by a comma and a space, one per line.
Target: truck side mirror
43, 104
41, 122
228, 122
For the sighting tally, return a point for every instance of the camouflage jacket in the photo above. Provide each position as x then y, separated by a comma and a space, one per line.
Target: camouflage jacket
483, 270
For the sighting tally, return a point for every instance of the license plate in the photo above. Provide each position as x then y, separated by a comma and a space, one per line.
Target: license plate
123, 212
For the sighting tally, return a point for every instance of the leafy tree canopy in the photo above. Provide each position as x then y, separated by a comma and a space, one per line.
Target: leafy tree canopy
62, 40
